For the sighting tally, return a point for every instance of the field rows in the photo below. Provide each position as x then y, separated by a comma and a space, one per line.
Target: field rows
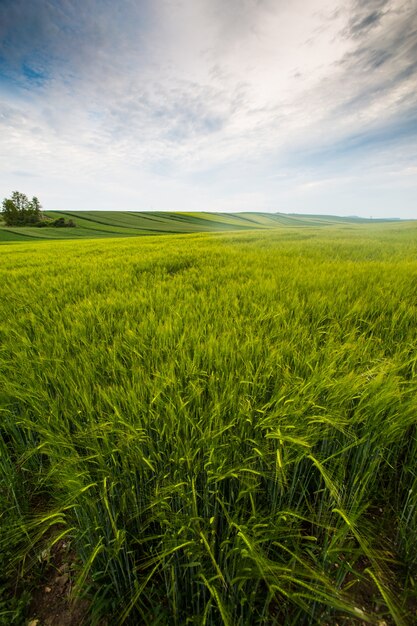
99, 224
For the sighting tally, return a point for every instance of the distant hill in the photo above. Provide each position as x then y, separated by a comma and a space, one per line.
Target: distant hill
93, 224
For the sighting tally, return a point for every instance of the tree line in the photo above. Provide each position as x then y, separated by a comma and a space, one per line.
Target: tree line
18, 210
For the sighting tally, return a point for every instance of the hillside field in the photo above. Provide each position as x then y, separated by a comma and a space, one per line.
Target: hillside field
100, 224
210, 429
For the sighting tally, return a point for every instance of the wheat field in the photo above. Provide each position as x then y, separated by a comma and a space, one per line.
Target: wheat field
221, 426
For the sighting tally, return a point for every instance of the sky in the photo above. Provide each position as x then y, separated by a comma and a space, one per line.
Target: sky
301, 106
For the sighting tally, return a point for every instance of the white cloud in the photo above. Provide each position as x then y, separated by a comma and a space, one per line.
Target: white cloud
200, 105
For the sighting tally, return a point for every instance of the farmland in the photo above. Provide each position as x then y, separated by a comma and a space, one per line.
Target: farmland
216, 428
104, 224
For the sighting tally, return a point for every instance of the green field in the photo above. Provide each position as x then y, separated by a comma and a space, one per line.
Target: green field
97, 224
212, 428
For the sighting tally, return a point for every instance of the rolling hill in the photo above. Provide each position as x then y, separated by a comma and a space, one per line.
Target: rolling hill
98, 224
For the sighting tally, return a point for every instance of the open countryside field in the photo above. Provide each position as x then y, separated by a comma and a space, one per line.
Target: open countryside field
211, 429
99, 224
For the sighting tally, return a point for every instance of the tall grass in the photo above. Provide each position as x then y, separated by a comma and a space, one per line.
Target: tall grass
223, 426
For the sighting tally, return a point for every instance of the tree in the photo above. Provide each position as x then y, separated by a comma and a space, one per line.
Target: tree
35, 210
10, 212
19, 211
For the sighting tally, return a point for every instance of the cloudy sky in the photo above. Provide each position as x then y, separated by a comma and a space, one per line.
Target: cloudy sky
306, 106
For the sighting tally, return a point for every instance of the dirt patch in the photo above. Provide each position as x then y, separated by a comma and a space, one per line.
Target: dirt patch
52, 603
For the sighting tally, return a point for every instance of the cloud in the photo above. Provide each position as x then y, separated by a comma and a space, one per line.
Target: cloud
365, 16
152, 96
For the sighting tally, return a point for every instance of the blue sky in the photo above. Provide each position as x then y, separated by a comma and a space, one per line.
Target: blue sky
207, 105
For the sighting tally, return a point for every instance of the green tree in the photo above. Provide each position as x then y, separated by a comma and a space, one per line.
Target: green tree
10, 213
19, 211
33, 211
